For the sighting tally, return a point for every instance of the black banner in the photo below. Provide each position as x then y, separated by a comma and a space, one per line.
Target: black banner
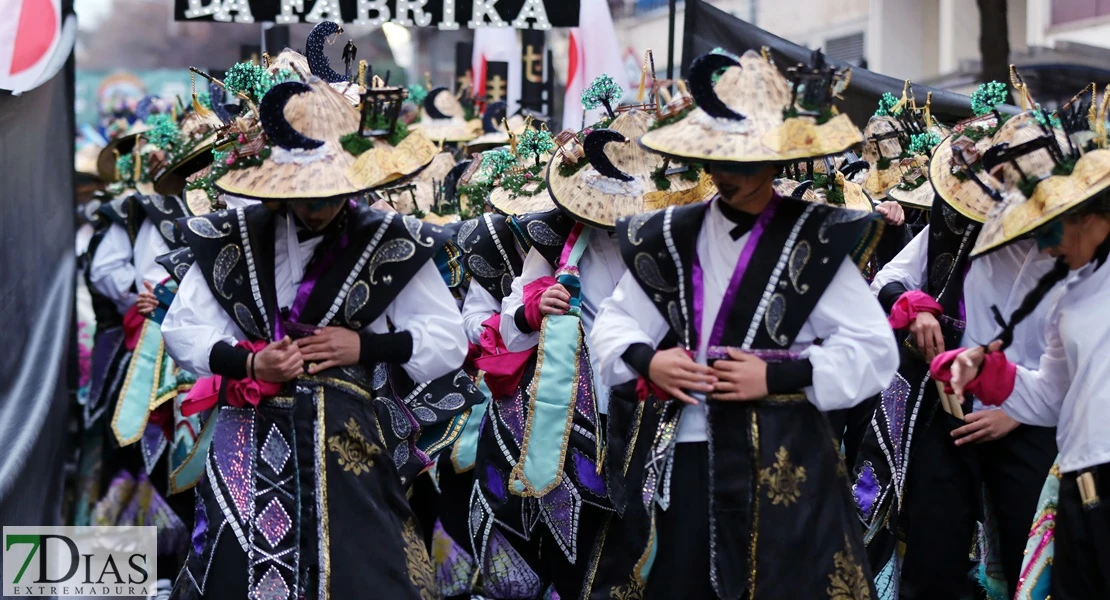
444, 14
708, 27
464, 52
497, 81
531, 67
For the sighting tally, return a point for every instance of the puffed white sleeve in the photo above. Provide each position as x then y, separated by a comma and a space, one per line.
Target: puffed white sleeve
426, 309
153, 272
112, 272
535, 266
194, 323
478, 306
625, 318
859, 356
1039, 394
908, 266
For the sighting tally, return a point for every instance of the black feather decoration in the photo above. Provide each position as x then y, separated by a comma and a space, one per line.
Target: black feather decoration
594, 147
701, 85
272, 114
430, 103
318, 62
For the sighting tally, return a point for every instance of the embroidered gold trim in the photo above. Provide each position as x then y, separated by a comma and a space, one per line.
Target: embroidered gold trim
635, 436
451, 435
595, 559
354, 452
211, 422
783, 479
752, 557
419, 566
847, 581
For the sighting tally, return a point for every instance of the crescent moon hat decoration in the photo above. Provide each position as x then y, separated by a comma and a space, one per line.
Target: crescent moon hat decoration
496, 128
318, 62
751, 113
421, 193
443, 118
299, 154
823, 183
1047, 171
615, 177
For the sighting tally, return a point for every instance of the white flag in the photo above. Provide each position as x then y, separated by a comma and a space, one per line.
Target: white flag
594, 51
497, 44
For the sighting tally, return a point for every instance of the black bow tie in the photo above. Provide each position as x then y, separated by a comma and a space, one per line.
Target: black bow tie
304, 234
744, 221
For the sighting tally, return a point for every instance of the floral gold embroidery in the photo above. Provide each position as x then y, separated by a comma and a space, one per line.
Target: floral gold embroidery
633, 591
356, 453
783, 479
847, 581
421, 575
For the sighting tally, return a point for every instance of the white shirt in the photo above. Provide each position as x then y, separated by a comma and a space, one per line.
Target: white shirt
112, 272
1068, 388
149, 245
478, 306
856, 360
600, 269
908, 266
425, 308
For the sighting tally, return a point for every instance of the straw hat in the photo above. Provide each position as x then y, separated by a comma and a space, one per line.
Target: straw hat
304, 123
422, 192
443, 119
969, 189
510, 197
836, 190
85, 160
124, 144
1042, 180
190, 152
614, 177
288, 60
753, 114
494, 132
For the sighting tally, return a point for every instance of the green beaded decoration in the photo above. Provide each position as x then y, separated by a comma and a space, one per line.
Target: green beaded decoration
602, 91
988, 96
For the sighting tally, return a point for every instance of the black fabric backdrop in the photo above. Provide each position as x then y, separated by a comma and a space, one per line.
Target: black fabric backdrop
708, 27
36, 296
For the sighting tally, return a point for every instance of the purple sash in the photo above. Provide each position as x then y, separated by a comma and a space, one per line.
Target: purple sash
304, 290
737, 275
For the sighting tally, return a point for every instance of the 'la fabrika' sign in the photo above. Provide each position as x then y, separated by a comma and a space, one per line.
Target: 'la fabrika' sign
443, 14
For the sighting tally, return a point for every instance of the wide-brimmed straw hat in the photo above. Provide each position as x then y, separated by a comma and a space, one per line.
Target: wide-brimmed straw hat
85, 160
443, 118
957, 171
613, 177
827, 185
124, 144
496, 128
305, 159
422, 192
190, 152
755, 115
1044, 176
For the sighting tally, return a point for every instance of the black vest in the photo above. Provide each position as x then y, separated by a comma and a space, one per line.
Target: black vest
489, 253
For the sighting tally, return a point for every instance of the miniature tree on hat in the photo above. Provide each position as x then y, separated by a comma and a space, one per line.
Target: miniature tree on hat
602, 91
536, 142
886, 104
988, 96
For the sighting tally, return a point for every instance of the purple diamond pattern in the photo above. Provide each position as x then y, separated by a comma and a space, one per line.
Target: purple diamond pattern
273, 522
275, 452
272, 586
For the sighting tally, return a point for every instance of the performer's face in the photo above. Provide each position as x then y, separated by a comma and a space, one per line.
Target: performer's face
1079, 239
749, 188
317, 215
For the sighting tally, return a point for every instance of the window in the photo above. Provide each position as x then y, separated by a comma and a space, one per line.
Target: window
848, 49
1068, 11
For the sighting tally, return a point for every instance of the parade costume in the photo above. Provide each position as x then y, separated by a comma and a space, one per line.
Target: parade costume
301, 474
541, 496
910, 473
717, 499
1046, 178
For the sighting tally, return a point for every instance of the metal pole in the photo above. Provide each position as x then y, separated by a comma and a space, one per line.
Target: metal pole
670, 39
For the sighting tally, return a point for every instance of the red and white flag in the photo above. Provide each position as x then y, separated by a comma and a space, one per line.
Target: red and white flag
35, 40
497, 44
594, 51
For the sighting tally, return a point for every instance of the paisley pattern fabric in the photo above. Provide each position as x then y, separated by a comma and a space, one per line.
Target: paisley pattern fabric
489, 253
163, 212
777, 481
910, 403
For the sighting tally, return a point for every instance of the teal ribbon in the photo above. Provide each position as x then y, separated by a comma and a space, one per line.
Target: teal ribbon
554, 389
149, 367
465, 451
